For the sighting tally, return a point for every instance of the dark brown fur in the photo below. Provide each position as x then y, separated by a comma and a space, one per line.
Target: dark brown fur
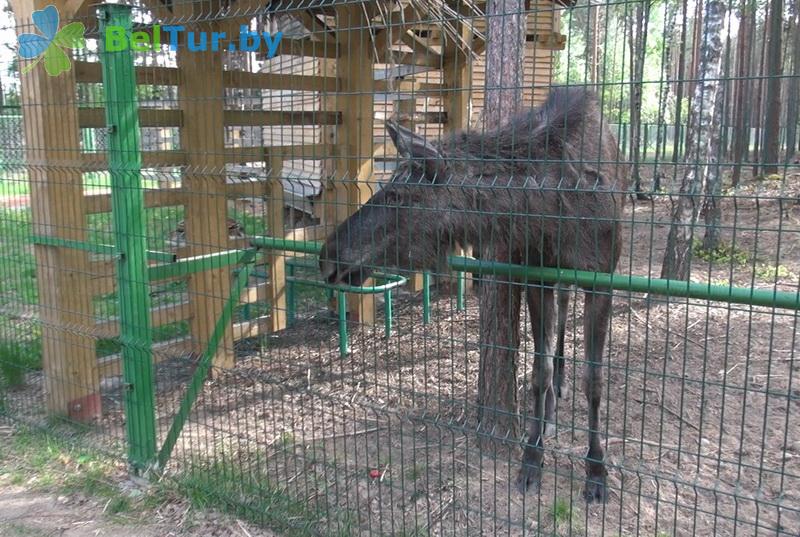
547, 189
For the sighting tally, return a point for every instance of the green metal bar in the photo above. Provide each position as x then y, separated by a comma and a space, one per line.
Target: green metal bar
639, 284
289, 245
103, 249
461, 279
290, 311
199, 263
387, 308
426, 297
343, 346
200, 374
127, 204
393, 281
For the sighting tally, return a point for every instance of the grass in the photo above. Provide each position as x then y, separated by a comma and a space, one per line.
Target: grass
724, 253
16, 359
46, 461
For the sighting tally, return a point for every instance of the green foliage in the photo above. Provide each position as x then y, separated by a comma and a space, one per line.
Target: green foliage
772, 273
18, 358
724, 253
562, 511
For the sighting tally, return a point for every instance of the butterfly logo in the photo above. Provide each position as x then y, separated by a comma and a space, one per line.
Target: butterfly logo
50, 44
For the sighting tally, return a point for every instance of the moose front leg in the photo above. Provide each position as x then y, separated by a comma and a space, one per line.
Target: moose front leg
596, 314
540, 306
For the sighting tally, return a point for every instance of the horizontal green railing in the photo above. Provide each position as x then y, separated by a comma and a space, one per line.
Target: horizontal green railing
639, 284
102, 249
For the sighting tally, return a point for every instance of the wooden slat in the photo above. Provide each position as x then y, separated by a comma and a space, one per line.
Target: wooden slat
150, 159
101, 203
111, 366
303, 47
166, 76
276, 290
159, 316
252, 327
288, 152
279, 81
257, 118
148, 117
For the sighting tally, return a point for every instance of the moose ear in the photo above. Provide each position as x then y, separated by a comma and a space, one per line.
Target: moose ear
412, 146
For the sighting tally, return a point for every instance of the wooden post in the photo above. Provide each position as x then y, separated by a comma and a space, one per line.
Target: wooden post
354, 140
276, 289
405, 109
201, 94
52, 144
457, 78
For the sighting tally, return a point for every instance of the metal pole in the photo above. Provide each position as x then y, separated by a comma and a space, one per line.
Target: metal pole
426, 297
127, 205
343, 347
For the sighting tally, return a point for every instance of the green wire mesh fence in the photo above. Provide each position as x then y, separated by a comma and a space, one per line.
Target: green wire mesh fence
408, 268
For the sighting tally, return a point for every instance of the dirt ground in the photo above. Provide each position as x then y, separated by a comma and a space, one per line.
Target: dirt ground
700, 413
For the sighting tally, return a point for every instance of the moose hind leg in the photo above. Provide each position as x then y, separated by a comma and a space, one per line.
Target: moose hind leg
540, 305
597, 312
563, 293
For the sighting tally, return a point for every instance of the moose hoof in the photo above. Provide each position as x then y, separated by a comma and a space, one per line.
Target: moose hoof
529, 477
596, 490
563, 392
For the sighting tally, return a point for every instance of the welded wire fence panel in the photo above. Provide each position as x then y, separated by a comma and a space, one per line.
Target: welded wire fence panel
297, 159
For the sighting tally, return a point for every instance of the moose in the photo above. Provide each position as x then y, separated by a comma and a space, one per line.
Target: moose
546, 189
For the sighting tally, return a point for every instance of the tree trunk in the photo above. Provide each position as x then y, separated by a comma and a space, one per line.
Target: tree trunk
505, 52
699, 157
497, 385
759, 104
637, 39
665, 92
676, 148
741, 141
711, 208
793, 93
769, 158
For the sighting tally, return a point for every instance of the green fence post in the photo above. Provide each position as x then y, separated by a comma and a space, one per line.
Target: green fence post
344, 349
426, 297
127, 204
387, 305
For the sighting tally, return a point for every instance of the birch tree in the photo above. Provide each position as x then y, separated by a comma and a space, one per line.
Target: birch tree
700, 155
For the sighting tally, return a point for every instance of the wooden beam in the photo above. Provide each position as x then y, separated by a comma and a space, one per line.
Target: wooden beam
397, 23
159, 316
169, 76
151, 74
101, 203
201, 94
317, 27
92, 162
280, 81
355, 164
276, 290
52, 142
111, 366
148, 117
304, 47
259, 118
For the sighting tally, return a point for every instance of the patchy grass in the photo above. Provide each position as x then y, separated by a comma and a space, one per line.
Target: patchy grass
44, 462
255, 497
772, 273
16, 359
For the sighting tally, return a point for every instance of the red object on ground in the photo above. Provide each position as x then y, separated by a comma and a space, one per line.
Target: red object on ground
374, 474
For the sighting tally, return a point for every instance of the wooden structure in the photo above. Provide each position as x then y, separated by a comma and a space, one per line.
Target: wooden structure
321, 103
